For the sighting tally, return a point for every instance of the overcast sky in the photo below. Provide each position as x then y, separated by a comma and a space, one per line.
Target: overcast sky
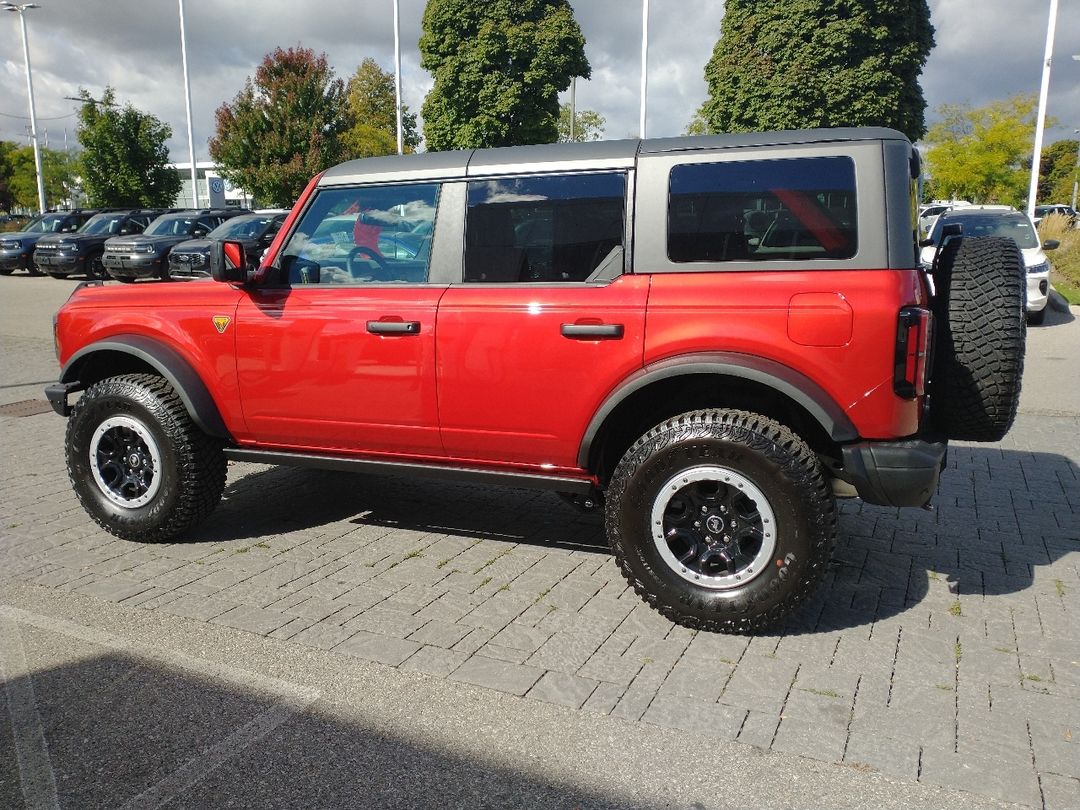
986, 50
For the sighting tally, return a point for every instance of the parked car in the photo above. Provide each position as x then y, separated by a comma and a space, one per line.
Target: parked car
785, 360
17, 249
1066, 211
80, 253
191, 259
928, 214
1002, 221
147, 255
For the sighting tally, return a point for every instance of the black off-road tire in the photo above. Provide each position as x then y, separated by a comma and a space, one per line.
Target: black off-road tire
6, 271
760, 453
980, 290
58, 276
95, 267
191, 470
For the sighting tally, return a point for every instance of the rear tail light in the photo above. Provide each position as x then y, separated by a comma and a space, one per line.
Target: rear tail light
912, 359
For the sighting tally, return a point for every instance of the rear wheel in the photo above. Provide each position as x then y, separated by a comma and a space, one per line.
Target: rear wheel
721, 520
138, 464
979, 349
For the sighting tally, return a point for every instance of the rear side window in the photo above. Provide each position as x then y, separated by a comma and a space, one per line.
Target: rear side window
762, 210
556, 228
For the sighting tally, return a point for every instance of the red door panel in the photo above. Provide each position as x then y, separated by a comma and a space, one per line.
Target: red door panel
350, 368
513, 388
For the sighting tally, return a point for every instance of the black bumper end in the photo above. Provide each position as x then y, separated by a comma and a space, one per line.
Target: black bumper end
57, 394
895, 473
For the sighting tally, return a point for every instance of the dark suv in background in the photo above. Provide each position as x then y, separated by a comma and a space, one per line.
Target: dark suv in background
17, 249
62, 255
146, 255
191, 259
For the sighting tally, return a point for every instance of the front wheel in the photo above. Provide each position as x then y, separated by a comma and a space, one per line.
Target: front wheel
721, 520
139, 466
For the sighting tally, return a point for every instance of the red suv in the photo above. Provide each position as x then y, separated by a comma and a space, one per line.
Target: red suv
710, 337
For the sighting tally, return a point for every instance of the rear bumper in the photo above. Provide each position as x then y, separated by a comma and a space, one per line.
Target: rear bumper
895, 473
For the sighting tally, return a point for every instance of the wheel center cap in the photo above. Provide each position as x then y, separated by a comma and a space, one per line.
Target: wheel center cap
715, 524
134, 460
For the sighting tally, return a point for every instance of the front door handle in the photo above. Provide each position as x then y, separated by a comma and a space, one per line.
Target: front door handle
587, 331
394, 327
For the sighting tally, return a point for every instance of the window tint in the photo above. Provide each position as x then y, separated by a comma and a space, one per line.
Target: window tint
762, 210
555, 228
363, 235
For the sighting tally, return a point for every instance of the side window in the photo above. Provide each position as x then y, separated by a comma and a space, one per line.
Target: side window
552, 228
762, 210
368, 234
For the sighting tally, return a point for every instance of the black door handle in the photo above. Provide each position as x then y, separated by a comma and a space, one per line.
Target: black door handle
394, 327
584, 331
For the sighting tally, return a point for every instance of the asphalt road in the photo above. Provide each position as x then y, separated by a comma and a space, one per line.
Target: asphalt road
115, 705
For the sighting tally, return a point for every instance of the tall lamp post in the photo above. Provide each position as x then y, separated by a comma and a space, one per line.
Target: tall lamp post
187, 101
1040, 121
21, 10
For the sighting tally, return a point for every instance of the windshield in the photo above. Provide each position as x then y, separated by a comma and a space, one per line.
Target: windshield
240, 228
47, 223
102, 223
171, 226
1013, 225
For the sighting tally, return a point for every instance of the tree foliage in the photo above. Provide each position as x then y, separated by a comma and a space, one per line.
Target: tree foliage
58, 171
7, 197
124, 160
790, 64
499, 67
1057, 172
371, 101
588, 125
980, 154
283, 127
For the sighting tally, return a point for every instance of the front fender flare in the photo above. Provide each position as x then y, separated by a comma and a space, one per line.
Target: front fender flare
171, 365
787, 381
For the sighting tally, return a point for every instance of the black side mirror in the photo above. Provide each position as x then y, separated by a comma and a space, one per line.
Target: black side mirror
926, 242
1051, 244
199, 233
228, 262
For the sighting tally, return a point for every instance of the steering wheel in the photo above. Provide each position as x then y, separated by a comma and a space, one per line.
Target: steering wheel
366, 252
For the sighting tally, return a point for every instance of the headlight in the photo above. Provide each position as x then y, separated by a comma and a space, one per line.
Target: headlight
64, 247
1042, 267
11, 244
145, 249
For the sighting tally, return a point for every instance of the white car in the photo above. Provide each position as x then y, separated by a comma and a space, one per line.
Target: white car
1000, 220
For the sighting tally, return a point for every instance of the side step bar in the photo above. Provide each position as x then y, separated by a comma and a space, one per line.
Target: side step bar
581, 486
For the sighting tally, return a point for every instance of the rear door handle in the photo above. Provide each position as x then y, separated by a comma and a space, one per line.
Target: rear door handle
585, 331
394, 327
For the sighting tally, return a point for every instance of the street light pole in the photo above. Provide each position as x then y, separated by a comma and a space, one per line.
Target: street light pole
21, 9
187, 102
397, 79
644, 63
1040, 122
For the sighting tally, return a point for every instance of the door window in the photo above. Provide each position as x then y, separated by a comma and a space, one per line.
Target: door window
545, 229
371, 234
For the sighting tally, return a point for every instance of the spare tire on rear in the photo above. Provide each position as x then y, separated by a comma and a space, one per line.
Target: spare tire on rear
979, 304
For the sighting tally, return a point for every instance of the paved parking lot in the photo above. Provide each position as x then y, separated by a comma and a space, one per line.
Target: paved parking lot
944, 648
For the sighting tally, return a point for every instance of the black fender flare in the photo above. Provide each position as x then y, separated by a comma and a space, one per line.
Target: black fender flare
171, 365
793, 384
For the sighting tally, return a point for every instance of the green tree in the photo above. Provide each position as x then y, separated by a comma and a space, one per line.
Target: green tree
371, 100
698, 125
125, 160
7, 197
284, 127
588, 125
499, 67
57, 169
1057, 172
980, 154
790, 64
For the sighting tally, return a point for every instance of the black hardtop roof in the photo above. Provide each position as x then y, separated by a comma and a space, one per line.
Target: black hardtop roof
592, 154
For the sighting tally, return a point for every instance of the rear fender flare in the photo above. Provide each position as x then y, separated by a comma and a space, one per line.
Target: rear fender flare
787, 381
170, 364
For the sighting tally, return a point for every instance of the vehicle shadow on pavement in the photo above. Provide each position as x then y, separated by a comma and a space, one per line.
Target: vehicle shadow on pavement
115, 728
281, 499
1001, 520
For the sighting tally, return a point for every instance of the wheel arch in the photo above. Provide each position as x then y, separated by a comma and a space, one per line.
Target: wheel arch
125, 354
716, 379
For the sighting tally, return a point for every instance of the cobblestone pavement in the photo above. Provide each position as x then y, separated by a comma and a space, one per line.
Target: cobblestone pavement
944, 646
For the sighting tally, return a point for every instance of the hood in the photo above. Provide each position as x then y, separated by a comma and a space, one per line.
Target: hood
24, 237
193, 246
